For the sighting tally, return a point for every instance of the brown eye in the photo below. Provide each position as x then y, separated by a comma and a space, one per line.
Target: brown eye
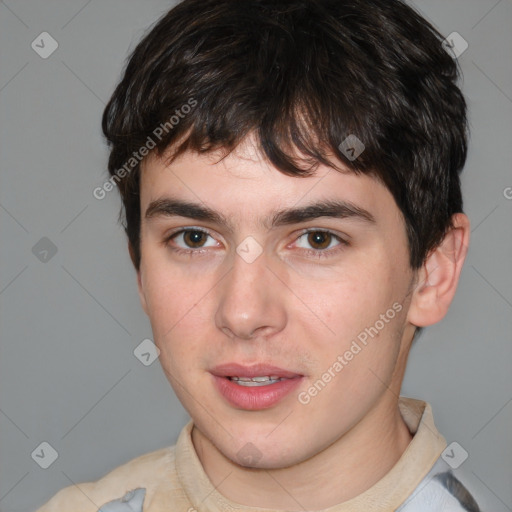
194, 239
190, 240
319, 239
320, 243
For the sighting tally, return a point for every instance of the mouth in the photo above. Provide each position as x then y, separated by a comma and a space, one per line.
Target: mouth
256, 381
254, 387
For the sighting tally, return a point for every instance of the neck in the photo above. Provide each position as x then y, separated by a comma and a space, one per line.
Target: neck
347, 468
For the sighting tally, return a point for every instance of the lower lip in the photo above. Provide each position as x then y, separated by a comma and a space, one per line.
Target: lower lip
255, 398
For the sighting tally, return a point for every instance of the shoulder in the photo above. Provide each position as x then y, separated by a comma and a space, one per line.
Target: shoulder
150, 471
444, 489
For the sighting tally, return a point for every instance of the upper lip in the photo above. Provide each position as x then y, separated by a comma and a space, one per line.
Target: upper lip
256, 370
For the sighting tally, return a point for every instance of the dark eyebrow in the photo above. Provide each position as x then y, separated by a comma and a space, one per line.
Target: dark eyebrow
330, 208
168, 207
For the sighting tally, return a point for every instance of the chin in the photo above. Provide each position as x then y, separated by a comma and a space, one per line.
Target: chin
259, 452
265, 460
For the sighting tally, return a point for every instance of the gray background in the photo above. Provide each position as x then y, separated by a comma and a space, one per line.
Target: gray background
70, 324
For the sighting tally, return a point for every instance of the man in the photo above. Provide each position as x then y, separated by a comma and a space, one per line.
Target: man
290, 180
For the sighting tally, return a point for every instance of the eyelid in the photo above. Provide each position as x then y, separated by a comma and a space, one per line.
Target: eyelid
341, 239
322, 230
186, 229
181, 230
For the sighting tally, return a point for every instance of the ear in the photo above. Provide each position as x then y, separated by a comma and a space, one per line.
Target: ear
439, 275
140, 287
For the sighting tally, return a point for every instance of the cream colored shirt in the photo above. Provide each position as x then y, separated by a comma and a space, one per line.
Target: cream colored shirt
173, 479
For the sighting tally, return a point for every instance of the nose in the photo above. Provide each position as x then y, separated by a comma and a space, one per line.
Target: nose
251, 301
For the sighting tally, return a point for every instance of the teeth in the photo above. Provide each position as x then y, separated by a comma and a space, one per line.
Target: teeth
256, 381
260, 379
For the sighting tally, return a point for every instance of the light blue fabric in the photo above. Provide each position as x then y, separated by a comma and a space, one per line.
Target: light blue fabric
440, 491
131, 502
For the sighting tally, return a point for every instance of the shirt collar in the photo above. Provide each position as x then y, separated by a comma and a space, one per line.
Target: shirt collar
387, 494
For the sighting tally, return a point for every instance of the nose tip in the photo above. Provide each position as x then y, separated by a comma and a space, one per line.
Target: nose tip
249, 304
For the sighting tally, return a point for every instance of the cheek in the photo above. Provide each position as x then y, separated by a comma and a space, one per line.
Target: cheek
347, 303
364, 314
173, 302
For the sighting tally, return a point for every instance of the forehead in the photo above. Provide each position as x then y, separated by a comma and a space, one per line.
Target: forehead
244, 185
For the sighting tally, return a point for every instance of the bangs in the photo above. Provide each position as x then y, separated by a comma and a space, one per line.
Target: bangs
366, 87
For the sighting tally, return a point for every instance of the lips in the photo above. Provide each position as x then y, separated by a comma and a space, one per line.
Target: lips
257, 370
255, 387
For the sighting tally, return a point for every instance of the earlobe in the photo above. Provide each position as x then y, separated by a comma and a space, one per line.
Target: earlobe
438, 277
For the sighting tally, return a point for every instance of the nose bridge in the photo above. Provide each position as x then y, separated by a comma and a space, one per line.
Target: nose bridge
250, 301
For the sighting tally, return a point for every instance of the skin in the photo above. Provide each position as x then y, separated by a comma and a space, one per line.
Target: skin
292, 309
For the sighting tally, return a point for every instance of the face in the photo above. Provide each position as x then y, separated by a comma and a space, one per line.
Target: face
248, 274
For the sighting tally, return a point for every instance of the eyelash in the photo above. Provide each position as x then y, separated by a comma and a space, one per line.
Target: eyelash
317, 253
186, 252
